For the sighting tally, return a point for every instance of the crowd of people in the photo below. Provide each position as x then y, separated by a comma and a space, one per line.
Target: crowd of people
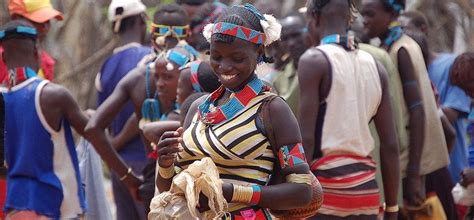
350, 100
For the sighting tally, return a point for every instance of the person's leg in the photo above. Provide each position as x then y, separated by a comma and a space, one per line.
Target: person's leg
440, 182
147, 190
127, 208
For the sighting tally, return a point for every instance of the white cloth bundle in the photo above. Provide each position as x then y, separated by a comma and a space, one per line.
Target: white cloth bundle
181, 200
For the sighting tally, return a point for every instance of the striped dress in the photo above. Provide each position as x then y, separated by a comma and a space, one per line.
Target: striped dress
238, 147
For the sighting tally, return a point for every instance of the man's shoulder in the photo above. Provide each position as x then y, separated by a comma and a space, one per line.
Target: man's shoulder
54, 91
312, 65
312, 54
135, 77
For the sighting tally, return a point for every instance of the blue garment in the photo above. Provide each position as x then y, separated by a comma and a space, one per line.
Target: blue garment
455, 98
471, 149
113, 70
470, 134
92, 176
43, 172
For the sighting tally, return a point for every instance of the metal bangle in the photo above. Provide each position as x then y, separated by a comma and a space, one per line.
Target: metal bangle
129, 171
392, 209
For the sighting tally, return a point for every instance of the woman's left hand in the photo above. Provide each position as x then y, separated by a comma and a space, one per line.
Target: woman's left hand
203, 204
227, 190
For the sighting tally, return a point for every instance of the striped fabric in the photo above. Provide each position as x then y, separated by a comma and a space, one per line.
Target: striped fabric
349, 186
240, 151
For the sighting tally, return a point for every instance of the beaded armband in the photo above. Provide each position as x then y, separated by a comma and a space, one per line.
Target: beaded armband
291, 155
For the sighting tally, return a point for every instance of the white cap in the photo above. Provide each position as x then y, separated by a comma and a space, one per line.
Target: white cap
130, 8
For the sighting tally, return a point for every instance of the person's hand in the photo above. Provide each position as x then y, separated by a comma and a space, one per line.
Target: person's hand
412, 191
227, 190
203, 204
467, 177
133, 182
89, 112
390, 216
168, 147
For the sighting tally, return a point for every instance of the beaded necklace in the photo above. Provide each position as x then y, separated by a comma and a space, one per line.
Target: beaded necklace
346, 41
17, 75
395, 32
209, 114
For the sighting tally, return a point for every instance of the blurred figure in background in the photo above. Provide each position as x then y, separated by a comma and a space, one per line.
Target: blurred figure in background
39, 13
293, 34
129, 24
424, 151
455, 104
462, 75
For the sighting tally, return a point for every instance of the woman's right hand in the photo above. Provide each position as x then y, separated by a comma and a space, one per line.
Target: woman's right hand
168, 147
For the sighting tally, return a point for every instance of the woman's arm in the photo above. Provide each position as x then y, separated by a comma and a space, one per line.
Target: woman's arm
287, 139
168, 147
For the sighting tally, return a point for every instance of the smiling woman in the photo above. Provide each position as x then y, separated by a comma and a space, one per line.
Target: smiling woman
259, 160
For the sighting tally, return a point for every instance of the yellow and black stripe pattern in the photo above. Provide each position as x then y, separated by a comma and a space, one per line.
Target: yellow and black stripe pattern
241, 152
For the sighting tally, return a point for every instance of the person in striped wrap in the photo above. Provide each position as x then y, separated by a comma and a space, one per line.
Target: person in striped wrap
351, 90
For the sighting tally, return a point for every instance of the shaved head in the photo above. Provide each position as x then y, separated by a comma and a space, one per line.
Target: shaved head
328, 16
292, 20
19, 50
329, 8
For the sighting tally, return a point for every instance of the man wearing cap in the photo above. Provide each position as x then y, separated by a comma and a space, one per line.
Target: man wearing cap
128, 22
39, 13
43, 173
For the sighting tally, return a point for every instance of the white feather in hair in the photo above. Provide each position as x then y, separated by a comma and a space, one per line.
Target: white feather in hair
207, 31
271, 28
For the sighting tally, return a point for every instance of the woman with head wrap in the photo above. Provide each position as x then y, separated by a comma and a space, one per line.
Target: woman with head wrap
230, 125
